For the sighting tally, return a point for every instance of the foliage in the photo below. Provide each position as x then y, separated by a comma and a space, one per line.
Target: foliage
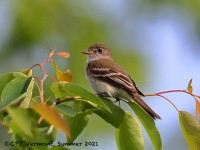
191, 129
34, 120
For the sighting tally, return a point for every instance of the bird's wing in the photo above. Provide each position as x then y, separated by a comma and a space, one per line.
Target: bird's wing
139, 92
112, 73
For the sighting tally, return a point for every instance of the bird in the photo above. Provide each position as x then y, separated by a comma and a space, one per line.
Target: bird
108, 79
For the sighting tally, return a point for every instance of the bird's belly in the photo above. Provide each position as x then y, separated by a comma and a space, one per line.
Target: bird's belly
115, 92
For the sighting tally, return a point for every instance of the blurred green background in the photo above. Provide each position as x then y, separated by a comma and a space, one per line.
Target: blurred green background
156, 41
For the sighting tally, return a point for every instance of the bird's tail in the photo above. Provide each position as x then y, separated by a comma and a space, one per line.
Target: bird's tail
142, 104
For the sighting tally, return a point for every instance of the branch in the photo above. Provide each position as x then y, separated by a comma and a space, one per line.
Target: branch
45, 75
173, 91
182, 91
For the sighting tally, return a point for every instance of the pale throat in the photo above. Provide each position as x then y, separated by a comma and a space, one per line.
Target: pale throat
98, 57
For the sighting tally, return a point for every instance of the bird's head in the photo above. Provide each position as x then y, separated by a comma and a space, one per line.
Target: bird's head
98, 51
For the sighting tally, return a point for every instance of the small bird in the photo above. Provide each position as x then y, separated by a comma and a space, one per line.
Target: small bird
108, 79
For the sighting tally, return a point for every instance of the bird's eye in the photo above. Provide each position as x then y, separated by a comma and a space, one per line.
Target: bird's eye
100, 50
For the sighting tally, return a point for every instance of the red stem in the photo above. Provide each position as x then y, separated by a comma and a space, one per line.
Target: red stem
45, 75
172, 91
168, 101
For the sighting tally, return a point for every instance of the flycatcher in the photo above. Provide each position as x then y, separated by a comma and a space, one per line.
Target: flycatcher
108, 79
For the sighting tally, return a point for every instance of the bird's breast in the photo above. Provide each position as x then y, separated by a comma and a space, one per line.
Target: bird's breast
100, 86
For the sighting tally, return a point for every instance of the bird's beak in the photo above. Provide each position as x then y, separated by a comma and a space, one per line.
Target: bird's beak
87, 52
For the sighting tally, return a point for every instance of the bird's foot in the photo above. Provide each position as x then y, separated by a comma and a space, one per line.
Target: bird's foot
117, 100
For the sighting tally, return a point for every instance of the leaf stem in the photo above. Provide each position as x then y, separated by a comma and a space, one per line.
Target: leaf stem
168, 101
173, 91
45, 75
68, 98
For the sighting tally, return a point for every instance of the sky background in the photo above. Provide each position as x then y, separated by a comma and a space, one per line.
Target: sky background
157, 43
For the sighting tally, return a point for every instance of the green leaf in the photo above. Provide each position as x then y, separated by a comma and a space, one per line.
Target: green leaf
6, 78
63, 89
17, 138
191, 129
149, 125
114, 116
30, 144
65, 110
117, 138
39, 140
129, 134
50, 132
190, 88
76, 124
27, 72
21, 119
25, 103
14, 91
18, 74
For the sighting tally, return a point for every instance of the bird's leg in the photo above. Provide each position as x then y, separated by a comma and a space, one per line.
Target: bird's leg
117, 100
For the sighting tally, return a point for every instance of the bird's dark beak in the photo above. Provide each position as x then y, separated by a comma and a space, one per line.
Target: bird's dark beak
87, 52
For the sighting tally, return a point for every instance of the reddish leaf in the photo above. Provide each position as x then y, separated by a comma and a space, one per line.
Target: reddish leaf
52, 117
63, 54
190, 88
62, 76
197, 109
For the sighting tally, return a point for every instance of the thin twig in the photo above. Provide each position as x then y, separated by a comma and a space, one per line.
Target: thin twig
168, 101
173, 91
66, 99
45, 75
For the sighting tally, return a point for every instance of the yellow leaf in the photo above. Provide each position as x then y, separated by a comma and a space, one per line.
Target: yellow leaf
63, 54
68, 75
190, 88
62, 76
52, 117
197, 109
